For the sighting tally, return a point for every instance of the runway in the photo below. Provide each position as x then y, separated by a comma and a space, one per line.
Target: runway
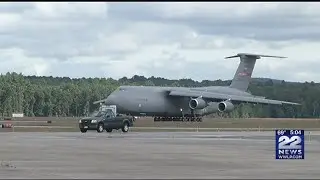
151, 155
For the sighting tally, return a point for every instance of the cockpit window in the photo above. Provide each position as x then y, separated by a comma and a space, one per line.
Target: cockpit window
119, 89
122, 89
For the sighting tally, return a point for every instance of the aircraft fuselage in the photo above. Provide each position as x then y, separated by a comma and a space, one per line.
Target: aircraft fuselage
154, 101
173, 102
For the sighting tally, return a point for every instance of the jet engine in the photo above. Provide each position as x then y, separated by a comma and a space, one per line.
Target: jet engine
225, 106
197, 103
211, 108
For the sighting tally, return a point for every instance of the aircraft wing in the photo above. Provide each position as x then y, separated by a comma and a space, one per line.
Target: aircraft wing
233, 98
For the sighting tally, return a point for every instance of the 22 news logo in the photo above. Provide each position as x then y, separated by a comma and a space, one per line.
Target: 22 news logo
289, 144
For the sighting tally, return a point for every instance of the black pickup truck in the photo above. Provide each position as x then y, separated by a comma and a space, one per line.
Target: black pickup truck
106, 120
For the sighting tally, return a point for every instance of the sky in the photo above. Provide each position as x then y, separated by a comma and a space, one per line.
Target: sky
170, 40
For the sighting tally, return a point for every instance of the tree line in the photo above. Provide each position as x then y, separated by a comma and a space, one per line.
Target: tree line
63, 96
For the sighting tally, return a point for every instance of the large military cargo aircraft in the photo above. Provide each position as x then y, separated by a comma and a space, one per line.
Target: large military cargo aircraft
190, 104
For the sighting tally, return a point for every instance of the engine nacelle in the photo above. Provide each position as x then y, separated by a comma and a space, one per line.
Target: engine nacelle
225, 106
211, 108
197, 103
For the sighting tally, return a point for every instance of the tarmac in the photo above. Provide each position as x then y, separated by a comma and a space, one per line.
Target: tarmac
156, 155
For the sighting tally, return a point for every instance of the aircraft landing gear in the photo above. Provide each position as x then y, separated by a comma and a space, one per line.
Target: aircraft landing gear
157, 119
183, 119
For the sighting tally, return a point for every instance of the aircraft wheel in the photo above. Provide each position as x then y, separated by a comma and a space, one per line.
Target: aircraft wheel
100, 128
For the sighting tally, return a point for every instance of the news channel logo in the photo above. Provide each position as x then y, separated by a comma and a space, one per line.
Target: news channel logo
290, 144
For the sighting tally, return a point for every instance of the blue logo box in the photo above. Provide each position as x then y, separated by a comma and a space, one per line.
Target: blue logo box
289, 144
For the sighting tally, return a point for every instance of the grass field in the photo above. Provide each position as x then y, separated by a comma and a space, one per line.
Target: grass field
146, 124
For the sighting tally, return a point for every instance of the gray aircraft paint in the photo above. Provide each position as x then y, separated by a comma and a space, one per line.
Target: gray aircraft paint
243, 74
174, 101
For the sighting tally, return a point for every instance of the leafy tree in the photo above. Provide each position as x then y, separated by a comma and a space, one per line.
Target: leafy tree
63, 96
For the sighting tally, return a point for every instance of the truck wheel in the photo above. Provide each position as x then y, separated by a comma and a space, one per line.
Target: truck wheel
109, 130
83, 130
100, 128
125, 127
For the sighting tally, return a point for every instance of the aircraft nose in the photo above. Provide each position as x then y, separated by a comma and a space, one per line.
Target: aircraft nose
111, 100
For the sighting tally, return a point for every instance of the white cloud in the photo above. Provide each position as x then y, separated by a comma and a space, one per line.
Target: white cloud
171, 40
15, 60
64, 10
8, 19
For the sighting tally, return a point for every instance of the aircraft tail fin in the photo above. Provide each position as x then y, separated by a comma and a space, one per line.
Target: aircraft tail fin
243, 74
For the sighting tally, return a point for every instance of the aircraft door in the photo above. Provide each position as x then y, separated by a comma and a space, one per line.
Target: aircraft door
142, 105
